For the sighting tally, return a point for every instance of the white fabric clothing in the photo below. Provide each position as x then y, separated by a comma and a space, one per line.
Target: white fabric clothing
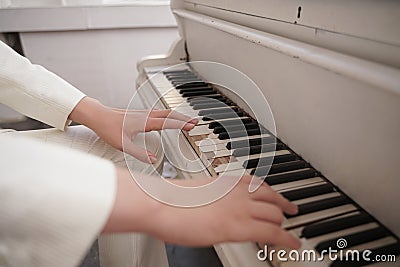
34, 91
116, 250
53, 202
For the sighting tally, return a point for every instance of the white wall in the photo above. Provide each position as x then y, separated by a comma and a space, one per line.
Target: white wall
95, 48
101, 63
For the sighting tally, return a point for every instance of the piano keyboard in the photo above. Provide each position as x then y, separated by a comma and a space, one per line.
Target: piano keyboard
229, 141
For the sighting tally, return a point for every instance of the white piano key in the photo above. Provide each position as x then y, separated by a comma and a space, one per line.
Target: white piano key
239, 172
174, 96
176, 102
316, 198
185, 109
224, 152
303, 186
296, 184
231, 166
225, 141
211, 148
207, 156
200, 130
175, 105
179, 101
319, 215
190, 113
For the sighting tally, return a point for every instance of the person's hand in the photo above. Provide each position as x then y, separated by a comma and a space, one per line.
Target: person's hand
238, 216
116, 125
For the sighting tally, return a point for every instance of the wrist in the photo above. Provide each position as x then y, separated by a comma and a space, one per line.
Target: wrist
87, 112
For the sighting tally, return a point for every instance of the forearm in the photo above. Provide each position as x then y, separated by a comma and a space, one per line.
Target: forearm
133, 209
88, 112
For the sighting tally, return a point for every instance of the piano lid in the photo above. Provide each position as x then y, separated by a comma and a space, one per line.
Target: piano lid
330, 72
367, 19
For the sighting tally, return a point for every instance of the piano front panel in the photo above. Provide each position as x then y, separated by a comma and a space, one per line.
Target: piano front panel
368, 21
347, 128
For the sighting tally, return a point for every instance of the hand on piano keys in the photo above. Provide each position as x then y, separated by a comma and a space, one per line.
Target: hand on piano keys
239, 216
118, 127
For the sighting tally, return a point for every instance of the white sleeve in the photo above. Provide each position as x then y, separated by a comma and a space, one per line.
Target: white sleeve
53, 202
34, 91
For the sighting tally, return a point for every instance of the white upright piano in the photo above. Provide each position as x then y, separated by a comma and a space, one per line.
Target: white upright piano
330, 72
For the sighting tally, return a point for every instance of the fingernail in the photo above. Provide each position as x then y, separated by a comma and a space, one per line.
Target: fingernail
194, 121
190, 125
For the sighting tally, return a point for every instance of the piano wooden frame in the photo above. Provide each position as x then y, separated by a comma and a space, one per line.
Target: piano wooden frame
331, 74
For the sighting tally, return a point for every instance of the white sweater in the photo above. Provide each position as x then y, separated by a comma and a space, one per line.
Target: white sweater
53, 201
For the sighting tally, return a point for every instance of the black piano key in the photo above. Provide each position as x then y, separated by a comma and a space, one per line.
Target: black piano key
211, 104
200, 88
178, 72
193, 90
183, 77
214, 95
326, 227
214, 102
190, 85
288, 177
319, 205
235, 134
202, 99
392, 249
232, 128
257, 149
354, 239
197, 93
310, 191
251, 142
253, 163
205, 112
224, 115
281, 167
236, 121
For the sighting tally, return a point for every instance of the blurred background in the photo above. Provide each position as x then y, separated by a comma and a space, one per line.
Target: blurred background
93, 44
